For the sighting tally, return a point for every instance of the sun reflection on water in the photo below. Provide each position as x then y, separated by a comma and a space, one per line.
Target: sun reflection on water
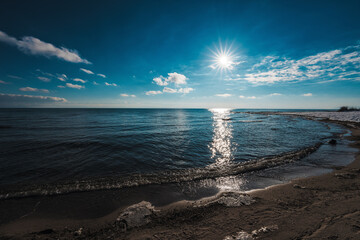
221, 146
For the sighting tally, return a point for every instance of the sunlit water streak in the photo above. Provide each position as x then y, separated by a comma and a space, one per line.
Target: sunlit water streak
221, 146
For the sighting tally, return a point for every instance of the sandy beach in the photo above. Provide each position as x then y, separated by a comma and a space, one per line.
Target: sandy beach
320, 207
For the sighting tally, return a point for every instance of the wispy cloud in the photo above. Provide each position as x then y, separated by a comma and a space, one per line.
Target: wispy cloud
169, 90
57, 99
79, 80
275, 94
185, 90
153, 92
60, 86
243, 97
101, 75
14, 77
127, 95
34, 46
44, 79
339, 64
110, 84
86, 71
3, 82
307, 95
62, 77
95, 83
174, 77
30, 89
224, 95
70, 85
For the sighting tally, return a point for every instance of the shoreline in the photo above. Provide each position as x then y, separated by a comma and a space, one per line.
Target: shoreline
289, 206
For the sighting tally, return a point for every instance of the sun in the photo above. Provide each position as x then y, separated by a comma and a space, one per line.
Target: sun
223, 58
224, 61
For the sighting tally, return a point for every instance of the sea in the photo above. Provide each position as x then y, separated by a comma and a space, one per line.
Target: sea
58, 151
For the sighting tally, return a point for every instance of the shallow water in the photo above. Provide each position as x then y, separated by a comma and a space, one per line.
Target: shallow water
143, 146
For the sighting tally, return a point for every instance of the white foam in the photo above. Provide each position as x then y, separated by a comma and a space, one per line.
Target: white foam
337, 116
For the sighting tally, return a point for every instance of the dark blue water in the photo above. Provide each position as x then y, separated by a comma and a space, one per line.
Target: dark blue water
49, 145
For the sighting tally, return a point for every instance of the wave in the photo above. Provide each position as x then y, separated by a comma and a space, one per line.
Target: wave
173, 176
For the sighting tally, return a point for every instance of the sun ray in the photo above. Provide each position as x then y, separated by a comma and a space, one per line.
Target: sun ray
223, 58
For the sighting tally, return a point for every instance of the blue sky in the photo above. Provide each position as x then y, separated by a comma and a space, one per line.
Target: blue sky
181, 54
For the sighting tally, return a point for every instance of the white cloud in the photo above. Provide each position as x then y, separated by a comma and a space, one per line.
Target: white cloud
153, 92
127, 95
30, 89
86, 71
3, 82
185, 90
35, 46
57, 99
275, 94
44, 79
174, 77
223, 95
335, 64
95, 83
160, 82
243, 97
307, 94
79, 80
110, 84
60, 86
101, 75
169, 90
62, 77
70, 85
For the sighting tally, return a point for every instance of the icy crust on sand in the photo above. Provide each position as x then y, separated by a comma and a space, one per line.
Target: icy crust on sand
256, 234
135, 216
228, 199
336, 116
184, 175
142, 213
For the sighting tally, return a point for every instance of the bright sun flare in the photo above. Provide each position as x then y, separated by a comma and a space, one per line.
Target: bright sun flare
223, 59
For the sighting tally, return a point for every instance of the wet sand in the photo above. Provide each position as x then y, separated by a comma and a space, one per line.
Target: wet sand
321, 207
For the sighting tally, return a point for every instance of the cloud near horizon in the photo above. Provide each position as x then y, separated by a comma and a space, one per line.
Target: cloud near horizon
30, 89
275, 94
243, 97
56, 99
153, 92
127, 95
34, 46
223, 95
307, 95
